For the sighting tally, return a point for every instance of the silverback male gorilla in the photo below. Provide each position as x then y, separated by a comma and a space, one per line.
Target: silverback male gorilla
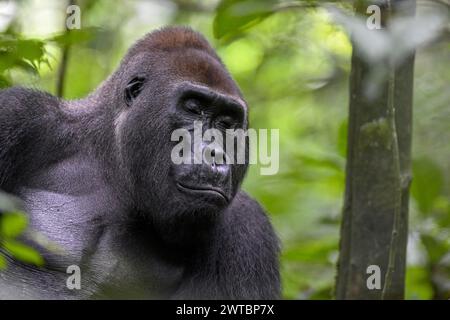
96, 179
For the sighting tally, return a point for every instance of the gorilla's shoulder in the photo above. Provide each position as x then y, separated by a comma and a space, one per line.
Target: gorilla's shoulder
26, 111
24, 99
25, 117
22, 92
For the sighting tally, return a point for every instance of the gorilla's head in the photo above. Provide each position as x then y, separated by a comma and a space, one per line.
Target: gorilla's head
167, 81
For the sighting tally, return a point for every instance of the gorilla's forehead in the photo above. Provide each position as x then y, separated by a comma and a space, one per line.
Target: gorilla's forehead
200, 67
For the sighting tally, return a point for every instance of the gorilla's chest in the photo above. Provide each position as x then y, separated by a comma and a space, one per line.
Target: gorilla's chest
68, 203
72, 207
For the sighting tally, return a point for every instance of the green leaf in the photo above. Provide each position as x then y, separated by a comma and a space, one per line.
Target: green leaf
12, 225
427, 183
23, 253
235, 16
4, 82
2, 262
435, 249
418, 285
31, 50
74, 36
23, 53
26, 66
9, 203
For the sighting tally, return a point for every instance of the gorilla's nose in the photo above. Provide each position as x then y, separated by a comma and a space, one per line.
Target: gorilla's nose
216, 158
215, 167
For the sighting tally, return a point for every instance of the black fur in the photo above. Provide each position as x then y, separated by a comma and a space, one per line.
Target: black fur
97, 180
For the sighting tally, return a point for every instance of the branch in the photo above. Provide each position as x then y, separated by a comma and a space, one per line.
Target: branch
64, 62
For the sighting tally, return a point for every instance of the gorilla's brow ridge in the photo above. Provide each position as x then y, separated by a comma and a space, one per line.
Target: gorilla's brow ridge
189, 88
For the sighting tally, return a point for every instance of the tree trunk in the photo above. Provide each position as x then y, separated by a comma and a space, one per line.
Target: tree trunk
374, 228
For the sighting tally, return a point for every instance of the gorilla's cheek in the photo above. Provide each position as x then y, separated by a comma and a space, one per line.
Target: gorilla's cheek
118, 129
140, 152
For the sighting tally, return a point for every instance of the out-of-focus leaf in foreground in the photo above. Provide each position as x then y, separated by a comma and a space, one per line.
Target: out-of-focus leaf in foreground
26, 54
75, 36
13, 224
23, 253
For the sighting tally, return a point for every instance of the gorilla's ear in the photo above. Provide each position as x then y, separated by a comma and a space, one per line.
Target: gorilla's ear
133, 89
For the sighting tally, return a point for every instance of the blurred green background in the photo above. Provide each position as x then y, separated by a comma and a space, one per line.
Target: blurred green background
293, 67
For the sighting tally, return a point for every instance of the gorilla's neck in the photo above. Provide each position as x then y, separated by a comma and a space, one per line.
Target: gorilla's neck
93, 129
187, 233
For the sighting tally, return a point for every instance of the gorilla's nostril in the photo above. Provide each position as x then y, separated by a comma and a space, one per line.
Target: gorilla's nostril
213, 158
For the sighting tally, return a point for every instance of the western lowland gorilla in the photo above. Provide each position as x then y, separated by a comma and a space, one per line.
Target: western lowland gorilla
96, 178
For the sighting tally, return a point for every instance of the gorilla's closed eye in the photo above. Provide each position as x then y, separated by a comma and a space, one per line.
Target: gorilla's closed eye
226, 123
193, 106
133, 88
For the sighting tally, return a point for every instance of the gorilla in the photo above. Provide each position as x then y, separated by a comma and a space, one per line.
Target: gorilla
97, 181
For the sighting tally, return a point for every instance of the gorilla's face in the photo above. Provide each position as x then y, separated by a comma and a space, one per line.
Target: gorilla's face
205, 175
194, 93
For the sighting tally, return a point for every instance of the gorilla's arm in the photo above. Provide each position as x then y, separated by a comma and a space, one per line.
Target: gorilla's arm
243, 259
10, 135
25, 117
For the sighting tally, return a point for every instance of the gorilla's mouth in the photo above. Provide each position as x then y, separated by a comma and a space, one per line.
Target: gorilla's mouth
203, 190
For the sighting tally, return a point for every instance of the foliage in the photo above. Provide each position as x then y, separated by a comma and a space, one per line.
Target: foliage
292, 61
13, 224
16, 52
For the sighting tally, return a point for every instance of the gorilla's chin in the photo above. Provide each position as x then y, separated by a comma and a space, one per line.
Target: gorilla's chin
190, 218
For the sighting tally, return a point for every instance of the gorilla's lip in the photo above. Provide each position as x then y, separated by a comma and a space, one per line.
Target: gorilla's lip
203, 189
